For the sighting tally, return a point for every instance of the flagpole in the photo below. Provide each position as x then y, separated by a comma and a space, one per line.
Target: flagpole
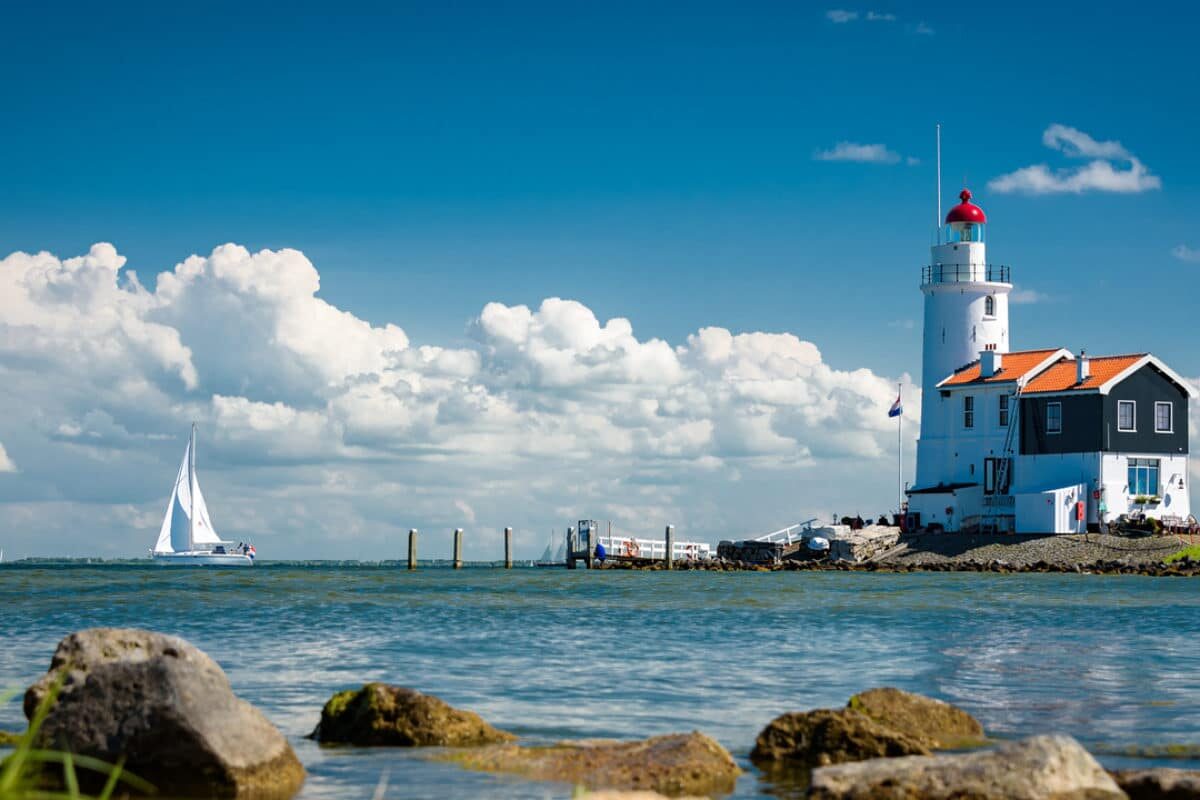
900, 451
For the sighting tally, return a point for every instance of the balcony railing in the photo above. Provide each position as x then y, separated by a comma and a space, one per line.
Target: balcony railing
955, 273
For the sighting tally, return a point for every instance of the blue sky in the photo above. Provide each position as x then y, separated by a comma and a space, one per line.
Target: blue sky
657, 164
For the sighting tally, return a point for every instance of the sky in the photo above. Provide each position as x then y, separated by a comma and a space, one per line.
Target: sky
475, 265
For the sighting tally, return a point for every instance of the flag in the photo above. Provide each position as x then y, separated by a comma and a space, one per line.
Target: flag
896, 409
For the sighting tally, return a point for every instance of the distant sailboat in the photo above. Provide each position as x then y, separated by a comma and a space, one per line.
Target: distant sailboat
187, 537
552, 557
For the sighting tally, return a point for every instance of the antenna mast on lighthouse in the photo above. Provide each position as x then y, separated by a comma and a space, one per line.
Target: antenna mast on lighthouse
938, 219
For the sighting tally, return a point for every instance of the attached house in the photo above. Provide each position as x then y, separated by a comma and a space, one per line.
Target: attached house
1046, 441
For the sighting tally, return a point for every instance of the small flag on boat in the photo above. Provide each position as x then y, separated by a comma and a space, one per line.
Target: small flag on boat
896, 409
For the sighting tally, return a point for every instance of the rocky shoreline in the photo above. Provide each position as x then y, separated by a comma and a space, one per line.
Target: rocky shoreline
166, 710
1096, 554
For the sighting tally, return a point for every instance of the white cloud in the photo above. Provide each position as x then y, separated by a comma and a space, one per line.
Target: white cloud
923, 29
1027, 297
1112, 168
1185, 253
6, 463
876, 16
840, 16
862, 153
322, 434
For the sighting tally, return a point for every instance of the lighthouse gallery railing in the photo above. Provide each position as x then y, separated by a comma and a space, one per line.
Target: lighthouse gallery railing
954, 273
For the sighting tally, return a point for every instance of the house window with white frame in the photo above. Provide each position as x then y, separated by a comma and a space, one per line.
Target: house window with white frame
1143, 477
1003, 411
968, 411
1127, 416
1164, 418
1053, 417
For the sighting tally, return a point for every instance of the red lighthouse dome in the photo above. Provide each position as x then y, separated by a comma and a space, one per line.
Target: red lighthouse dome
966, 211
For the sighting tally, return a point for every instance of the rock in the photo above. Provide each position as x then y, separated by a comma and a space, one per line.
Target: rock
936, 724
380, 714
675, 765
830, 736
167, 708
1159, 784
1039, 768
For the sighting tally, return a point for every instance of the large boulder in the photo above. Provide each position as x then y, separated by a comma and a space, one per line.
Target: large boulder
830, 736
1039, 768
168, 709
379, 714
674, 765
936, 724
1160, 783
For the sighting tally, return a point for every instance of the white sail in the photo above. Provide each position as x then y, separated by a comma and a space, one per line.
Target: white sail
548, 553
173, 536
178, 534
561, 554
202, 532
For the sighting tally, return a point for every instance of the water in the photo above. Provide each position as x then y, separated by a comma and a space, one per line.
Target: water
551, 654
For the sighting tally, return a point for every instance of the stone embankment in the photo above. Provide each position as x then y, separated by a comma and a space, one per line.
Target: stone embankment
948, 552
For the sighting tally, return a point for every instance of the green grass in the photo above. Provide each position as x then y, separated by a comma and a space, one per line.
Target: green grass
23, 772
1192, 553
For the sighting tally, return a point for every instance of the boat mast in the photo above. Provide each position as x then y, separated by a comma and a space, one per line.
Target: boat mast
192, 490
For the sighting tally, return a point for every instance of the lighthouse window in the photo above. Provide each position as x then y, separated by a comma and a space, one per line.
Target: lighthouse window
1053, 417
989, 306
968, 412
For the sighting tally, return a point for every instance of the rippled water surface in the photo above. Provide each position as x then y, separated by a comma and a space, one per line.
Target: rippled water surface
551, 654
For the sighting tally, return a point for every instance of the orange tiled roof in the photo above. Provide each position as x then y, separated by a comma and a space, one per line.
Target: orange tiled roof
1060, 377
1013, 366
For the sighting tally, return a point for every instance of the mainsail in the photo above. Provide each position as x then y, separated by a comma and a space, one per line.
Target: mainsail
178, 533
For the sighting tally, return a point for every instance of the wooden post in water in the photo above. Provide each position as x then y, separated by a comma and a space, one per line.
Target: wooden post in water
570, 548
508, 548
670, 554
458, 548
412, 548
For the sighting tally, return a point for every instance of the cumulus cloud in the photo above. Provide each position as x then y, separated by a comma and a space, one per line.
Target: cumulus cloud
1184, 253
862, 153
6, 463
1112, 168
327, 435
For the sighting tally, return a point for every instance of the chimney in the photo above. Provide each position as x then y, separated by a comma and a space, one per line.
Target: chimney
1083, 367
989, 363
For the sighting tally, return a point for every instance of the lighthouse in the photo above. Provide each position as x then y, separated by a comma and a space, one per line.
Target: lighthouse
966, 315
1033, 441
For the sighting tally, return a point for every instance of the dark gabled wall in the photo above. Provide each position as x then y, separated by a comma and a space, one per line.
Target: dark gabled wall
1082, 423
1090, 419
1146, 387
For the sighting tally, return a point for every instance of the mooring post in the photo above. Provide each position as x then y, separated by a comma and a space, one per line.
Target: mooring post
570, 548
458, 548
670, 555
412, 548
508, 548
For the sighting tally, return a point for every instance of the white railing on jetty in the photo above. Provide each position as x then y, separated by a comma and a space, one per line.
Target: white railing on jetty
630, 547
789, 535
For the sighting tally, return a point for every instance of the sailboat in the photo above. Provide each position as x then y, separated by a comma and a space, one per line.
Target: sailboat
187, 537
551, 557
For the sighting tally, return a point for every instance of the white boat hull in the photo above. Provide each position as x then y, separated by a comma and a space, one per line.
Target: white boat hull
202, 558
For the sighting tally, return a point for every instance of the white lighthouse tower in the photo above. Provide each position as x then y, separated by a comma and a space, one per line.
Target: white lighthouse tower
966, 314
